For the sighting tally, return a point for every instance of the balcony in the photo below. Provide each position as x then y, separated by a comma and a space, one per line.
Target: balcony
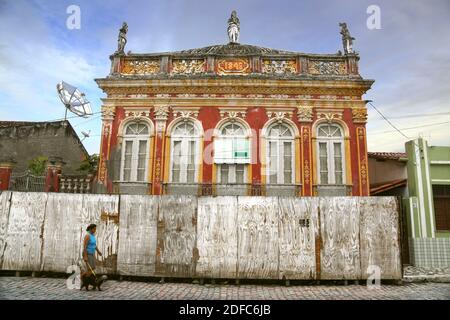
332, 190
132, 187
283, 190
231, 189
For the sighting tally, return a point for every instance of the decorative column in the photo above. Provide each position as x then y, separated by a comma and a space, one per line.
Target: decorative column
161, 114
108, 114
53, 171
6, 167
360, 119
305, 117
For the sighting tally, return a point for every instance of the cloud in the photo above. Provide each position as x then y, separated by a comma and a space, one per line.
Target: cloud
408, 57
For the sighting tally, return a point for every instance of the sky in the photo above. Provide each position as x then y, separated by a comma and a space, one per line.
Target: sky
409, 57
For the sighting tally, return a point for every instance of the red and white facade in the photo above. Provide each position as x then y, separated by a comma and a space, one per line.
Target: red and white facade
234, 120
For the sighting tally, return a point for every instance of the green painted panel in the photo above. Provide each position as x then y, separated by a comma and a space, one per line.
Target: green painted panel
440, 172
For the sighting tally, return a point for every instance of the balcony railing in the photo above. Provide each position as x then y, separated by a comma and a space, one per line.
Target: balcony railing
231, 189
332, 190
75, 183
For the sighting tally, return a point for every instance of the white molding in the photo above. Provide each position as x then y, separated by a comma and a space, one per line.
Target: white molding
428, 181
439, 162
423, 225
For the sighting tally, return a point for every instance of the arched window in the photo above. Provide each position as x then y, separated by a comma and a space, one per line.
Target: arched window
330, 150
135, 152
184, 153
280, 154
232, 153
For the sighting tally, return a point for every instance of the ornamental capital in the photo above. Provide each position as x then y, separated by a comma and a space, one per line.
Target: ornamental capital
305, 113
161, 112
359, 115
108, 113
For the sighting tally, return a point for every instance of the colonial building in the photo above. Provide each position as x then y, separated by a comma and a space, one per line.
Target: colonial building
234, 119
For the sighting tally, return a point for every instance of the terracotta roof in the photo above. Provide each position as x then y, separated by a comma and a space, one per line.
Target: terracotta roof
385, 186
387, 155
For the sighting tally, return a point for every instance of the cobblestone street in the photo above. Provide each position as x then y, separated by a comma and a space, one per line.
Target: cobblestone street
55, 288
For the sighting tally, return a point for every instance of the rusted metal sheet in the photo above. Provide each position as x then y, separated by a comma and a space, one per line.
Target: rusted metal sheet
176, 252
298, 229
258, 237
5, 204
137, 245
380, 237
23, 243
217, 237
339, 247
63, 232
103, 210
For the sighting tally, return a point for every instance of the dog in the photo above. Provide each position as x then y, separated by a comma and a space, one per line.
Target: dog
92, 280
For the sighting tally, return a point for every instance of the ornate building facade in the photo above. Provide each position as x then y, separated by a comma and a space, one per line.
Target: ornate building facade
234, 119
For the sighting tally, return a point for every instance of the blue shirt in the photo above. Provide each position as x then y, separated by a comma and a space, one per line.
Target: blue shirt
92, 244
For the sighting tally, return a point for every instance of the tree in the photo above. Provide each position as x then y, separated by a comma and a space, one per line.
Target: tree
89, 165
37, 165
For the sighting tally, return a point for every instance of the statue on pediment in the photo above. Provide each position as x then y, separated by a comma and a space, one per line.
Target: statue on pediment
233, 28
347, 39
122, 41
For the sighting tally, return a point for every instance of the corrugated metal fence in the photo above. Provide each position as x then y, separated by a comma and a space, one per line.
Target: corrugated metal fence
204, 237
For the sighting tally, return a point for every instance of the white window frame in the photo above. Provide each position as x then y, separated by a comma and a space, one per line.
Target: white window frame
185, 141
231, 173
330, 156
280, 155
135, 139
232, 163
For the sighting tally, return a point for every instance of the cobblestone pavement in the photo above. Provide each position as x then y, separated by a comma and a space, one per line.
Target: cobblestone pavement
55, 288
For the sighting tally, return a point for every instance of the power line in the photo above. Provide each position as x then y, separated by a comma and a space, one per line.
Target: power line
416, 127
94, 118
61, 119
417, 115
387, 120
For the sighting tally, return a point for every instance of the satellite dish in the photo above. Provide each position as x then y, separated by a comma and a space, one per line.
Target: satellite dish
86, 134
74, 100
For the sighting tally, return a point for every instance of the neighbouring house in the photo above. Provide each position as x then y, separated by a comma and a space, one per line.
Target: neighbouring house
388, 174
234, 119
428, 204
21, 142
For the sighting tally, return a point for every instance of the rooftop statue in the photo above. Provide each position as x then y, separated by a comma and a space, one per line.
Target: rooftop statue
233, 28
347, 39
122, 41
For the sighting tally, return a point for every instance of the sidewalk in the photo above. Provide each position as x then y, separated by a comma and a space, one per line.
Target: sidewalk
418, 274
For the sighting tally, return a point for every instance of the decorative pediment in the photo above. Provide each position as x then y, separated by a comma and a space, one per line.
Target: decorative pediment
140, 67
185, 112
279, 66
279, 113
330, 114
188, 66
136, 113
327, 67
232, 112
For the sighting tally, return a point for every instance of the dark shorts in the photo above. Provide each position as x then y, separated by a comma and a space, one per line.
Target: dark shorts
91, 261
